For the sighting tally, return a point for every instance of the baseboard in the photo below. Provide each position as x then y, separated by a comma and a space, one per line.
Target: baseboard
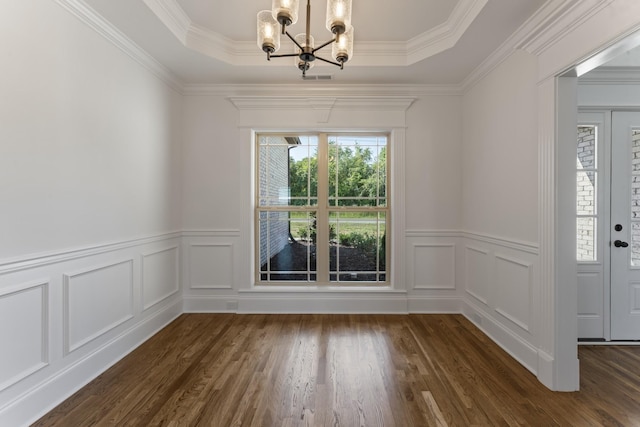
440, 305
37, 402
323, 304
303, 303
517, 347
545, 369
210, 304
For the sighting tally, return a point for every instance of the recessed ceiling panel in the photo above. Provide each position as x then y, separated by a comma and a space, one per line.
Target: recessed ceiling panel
374, 20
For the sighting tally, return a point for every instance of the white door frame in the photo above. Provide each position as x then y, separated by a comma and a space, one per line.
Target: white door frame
557, 120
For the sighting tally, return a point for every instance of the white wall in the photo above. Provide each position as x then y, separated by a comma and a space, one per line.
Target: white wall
91, 176
500, 209
89, 149
217, 192
434, 164
500, 152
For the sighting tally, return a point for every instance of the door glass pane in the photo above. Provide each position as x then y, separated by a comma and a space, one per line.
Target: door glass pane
635, 150
586, 193
586, 148
635, 198
635, 244
586, 228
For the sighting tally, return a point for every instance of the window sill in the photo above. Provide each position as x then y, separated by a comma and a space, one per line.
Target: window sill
321, 289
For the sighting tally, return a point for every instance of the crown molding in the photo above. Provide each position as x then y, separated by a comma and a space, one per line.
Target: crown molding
445, 35
538, 33
93, 20
172, 16
361, 103
562, 17
320, 89
383, 53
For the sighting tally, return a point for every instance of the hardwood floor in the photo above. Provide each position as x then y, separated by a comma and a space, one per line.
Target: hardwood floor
344, 370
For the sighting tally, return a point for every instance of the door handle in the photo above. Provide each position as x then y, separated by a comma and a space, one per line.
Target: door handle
620, 244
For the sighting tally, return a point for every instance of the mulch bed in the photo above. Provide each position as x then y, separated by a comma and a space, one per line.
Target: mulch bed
296, 255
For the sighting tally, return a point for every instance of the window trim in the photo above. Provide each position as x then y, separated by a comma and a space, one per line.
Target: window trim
322, 266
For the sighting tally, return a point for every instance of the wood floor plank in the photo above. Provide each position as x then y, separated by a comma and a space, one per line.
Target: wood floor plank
344, 370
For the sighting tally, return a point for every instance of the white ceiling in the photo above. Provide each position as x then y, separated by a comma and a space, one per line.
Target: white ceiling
396, 42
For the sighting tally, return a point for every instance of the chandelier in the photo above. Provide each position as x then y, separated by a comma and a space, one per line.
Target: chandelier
272, 23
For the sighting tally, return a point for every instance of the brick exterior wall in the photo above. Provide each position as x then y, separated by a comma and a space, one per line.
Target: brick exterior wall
274, 189
586, 193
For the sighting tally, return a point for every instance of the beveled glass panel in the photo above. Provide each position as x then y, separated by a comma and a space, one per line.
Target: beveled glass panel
586, 239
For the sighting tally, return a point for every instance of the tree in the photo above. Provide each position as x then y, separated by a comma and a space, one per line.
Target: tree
353, 173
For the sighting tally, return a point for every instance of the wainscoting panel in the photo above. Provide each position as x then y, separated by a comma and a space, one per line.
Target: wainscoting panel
434, 266
96, 301
500, 280
24, 331
67, 316
477, 273
160, 275
589, 294
211, 265
514, 301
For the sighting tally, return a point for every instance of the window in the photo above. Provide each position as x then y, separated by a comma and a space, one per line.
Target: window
322, 209
586, 191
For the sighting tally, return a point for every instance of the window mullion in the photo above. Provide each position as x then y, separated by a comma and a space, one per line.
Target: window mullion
322, 215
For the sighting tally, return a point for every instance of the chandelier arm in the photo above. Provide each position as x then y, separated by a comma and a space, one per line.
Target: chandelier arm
329, 62
324, 44
284, 55
294, 41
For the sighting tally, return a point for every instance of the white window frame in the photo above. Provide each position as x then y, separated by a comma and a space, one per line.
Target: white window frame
323, 212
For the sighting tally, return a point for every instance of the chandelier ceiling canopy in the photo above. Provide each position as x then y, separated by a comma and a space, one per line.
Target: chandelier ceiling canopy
272, 23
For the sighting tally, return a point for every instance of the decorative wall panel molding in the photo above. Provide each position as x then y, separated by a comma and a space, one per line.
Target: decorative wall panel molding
24, 331
211, 265
96, 300
528, 247
589, 293
517, 346
477, 273
211, 233
43, 259
434, 266
160, 275
513, 300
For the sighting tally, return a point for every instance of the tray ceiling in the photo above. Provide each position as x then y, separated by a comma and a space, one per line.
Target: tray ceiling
399, 42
